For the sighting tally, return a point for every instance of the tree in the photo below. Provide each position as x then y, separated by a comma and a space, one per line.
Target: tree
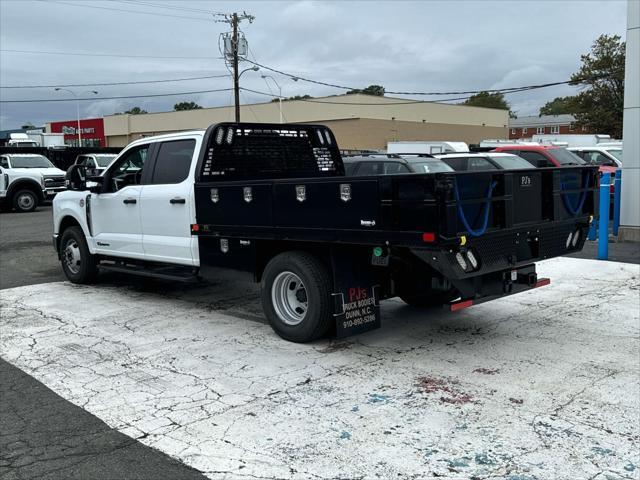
295, 97
376, 90
601, 102
560, 105
487, 100
186, 106
136, 111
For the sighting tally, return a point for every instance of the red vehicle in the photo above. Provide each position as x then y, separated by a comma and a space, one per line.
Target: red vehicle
553, 156
548, 156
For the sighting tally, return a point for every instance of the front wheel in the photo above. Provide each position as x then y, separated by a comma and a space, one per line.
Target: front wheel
78, 264
25, 201
296, 296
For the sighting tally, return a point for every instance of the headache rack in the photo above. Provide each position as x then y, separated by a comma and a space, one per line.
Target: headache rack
251, 151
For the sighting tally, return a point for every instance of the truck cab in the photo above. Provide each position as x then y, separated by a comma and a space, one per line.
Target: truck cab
27, 180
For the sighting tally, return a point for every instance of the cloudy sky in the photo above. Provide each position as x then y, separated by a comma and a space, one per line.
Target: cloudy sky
404, 46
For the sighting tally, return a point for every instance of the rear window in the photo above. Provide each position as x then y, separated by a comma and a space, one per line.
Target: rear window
565, 157
510, 162
370, 168
173, 161
430, 167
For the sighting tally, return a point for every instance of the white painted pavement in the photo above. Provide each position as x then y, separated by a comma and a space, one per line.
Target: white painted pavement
540, 385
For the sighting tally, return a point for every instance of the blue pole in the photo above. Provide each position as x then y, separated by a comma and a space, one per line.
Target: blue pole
605, 193
616, 200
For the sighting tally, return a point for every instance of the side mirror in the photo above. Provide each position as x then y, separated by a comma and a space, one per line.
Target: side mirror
94, 183
76, 177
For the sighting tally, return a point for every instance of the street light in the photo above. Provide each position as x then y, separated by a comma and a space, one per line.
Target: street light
255, 68
264, 77
236, 84
58, 89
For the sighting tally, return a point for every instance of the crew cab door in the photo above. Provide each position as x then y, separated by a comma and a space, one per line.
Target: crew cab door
167, 204
115, 212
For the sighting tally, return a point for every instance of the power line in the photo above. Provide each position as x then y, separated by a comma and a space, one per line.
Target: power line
379, 104
129, 11
87, 54
168, 7
468, 92
95, 99
119, 83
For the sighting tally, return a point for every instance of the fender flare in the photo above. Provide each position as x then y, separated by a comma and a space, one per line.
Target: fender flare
70, 214
25, 183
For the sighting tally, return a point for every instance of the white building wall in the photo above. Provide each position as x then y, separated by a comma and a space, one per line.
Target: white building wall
630, 209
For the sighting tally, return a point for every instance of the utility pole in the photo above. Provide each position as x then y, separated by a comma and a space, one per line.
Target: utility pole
236, 76
233, 55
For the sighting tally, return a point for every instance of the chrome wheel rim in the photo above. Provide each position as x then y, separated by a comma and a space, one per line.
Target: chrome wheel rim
289, 298
71, 256
26, 201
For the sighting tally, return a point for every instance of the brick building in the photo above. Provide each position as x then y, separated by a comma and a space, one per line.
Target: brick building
525, 127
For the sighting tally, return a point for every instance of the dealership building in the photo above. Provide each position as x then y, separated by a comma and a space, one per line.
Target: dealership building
358, 121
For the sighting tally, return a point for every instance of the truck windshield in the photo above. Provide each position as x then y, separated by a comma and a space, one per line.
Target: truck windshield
31, 161
104, 160
565, 157
510, 162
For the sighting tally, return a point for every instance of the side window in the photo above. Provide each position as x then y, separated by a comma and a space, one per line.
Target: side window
582, 154
82, 160
173, 161
459, 164
90, 163
536, 159
597, 158
4, 163
369, 168
479, 163
395, 167
349, 168
128, 169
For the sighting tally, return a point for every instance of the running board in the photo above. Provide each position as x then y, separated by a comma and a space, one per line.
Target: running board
162, 273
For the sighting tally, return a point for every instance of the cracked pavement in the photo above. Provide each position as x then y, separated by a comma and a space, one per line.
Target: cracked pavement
540, 385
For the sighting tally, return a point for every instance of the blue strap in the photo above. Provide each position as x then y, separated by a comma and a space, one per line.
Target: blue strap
487, 208
567, 202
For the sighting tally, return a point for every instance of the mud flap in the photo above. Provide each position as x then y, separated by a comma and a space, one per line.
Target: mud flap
356, 295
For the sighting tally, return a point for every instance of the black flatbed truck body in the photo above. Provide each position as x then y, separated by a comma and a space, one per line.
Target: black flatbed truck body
263, 189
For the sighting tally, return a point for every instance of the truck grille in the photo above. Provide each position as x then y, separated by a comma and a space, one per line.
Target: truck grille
54, 181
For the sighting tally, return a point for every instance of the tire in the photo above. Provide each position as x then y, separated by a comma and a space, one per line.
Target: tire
78, 264
288, 280
25, 200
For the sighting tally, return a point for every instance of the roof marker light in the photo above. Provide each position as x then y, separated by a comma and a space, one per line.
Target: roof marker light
219, 136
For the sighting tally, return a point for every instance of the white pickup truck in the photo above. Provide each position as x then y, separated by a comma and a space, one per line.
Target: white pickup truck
27, 180
273, 201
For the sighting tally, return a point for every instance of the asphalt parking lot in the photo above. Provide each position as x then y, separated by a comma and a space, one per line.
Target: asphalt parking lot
542, 385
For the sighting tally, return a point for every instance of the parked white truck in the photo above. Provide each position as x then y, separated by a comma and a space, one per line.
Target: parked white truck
272, 201
27, 180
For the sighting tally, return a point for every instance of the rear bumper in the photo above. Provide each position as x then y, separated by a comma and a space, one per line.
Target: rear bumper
505, 249
501, 284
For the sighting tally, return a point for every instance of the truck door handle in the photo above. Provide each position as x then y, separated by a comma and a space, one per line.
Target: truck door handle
177, 200
129, 200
